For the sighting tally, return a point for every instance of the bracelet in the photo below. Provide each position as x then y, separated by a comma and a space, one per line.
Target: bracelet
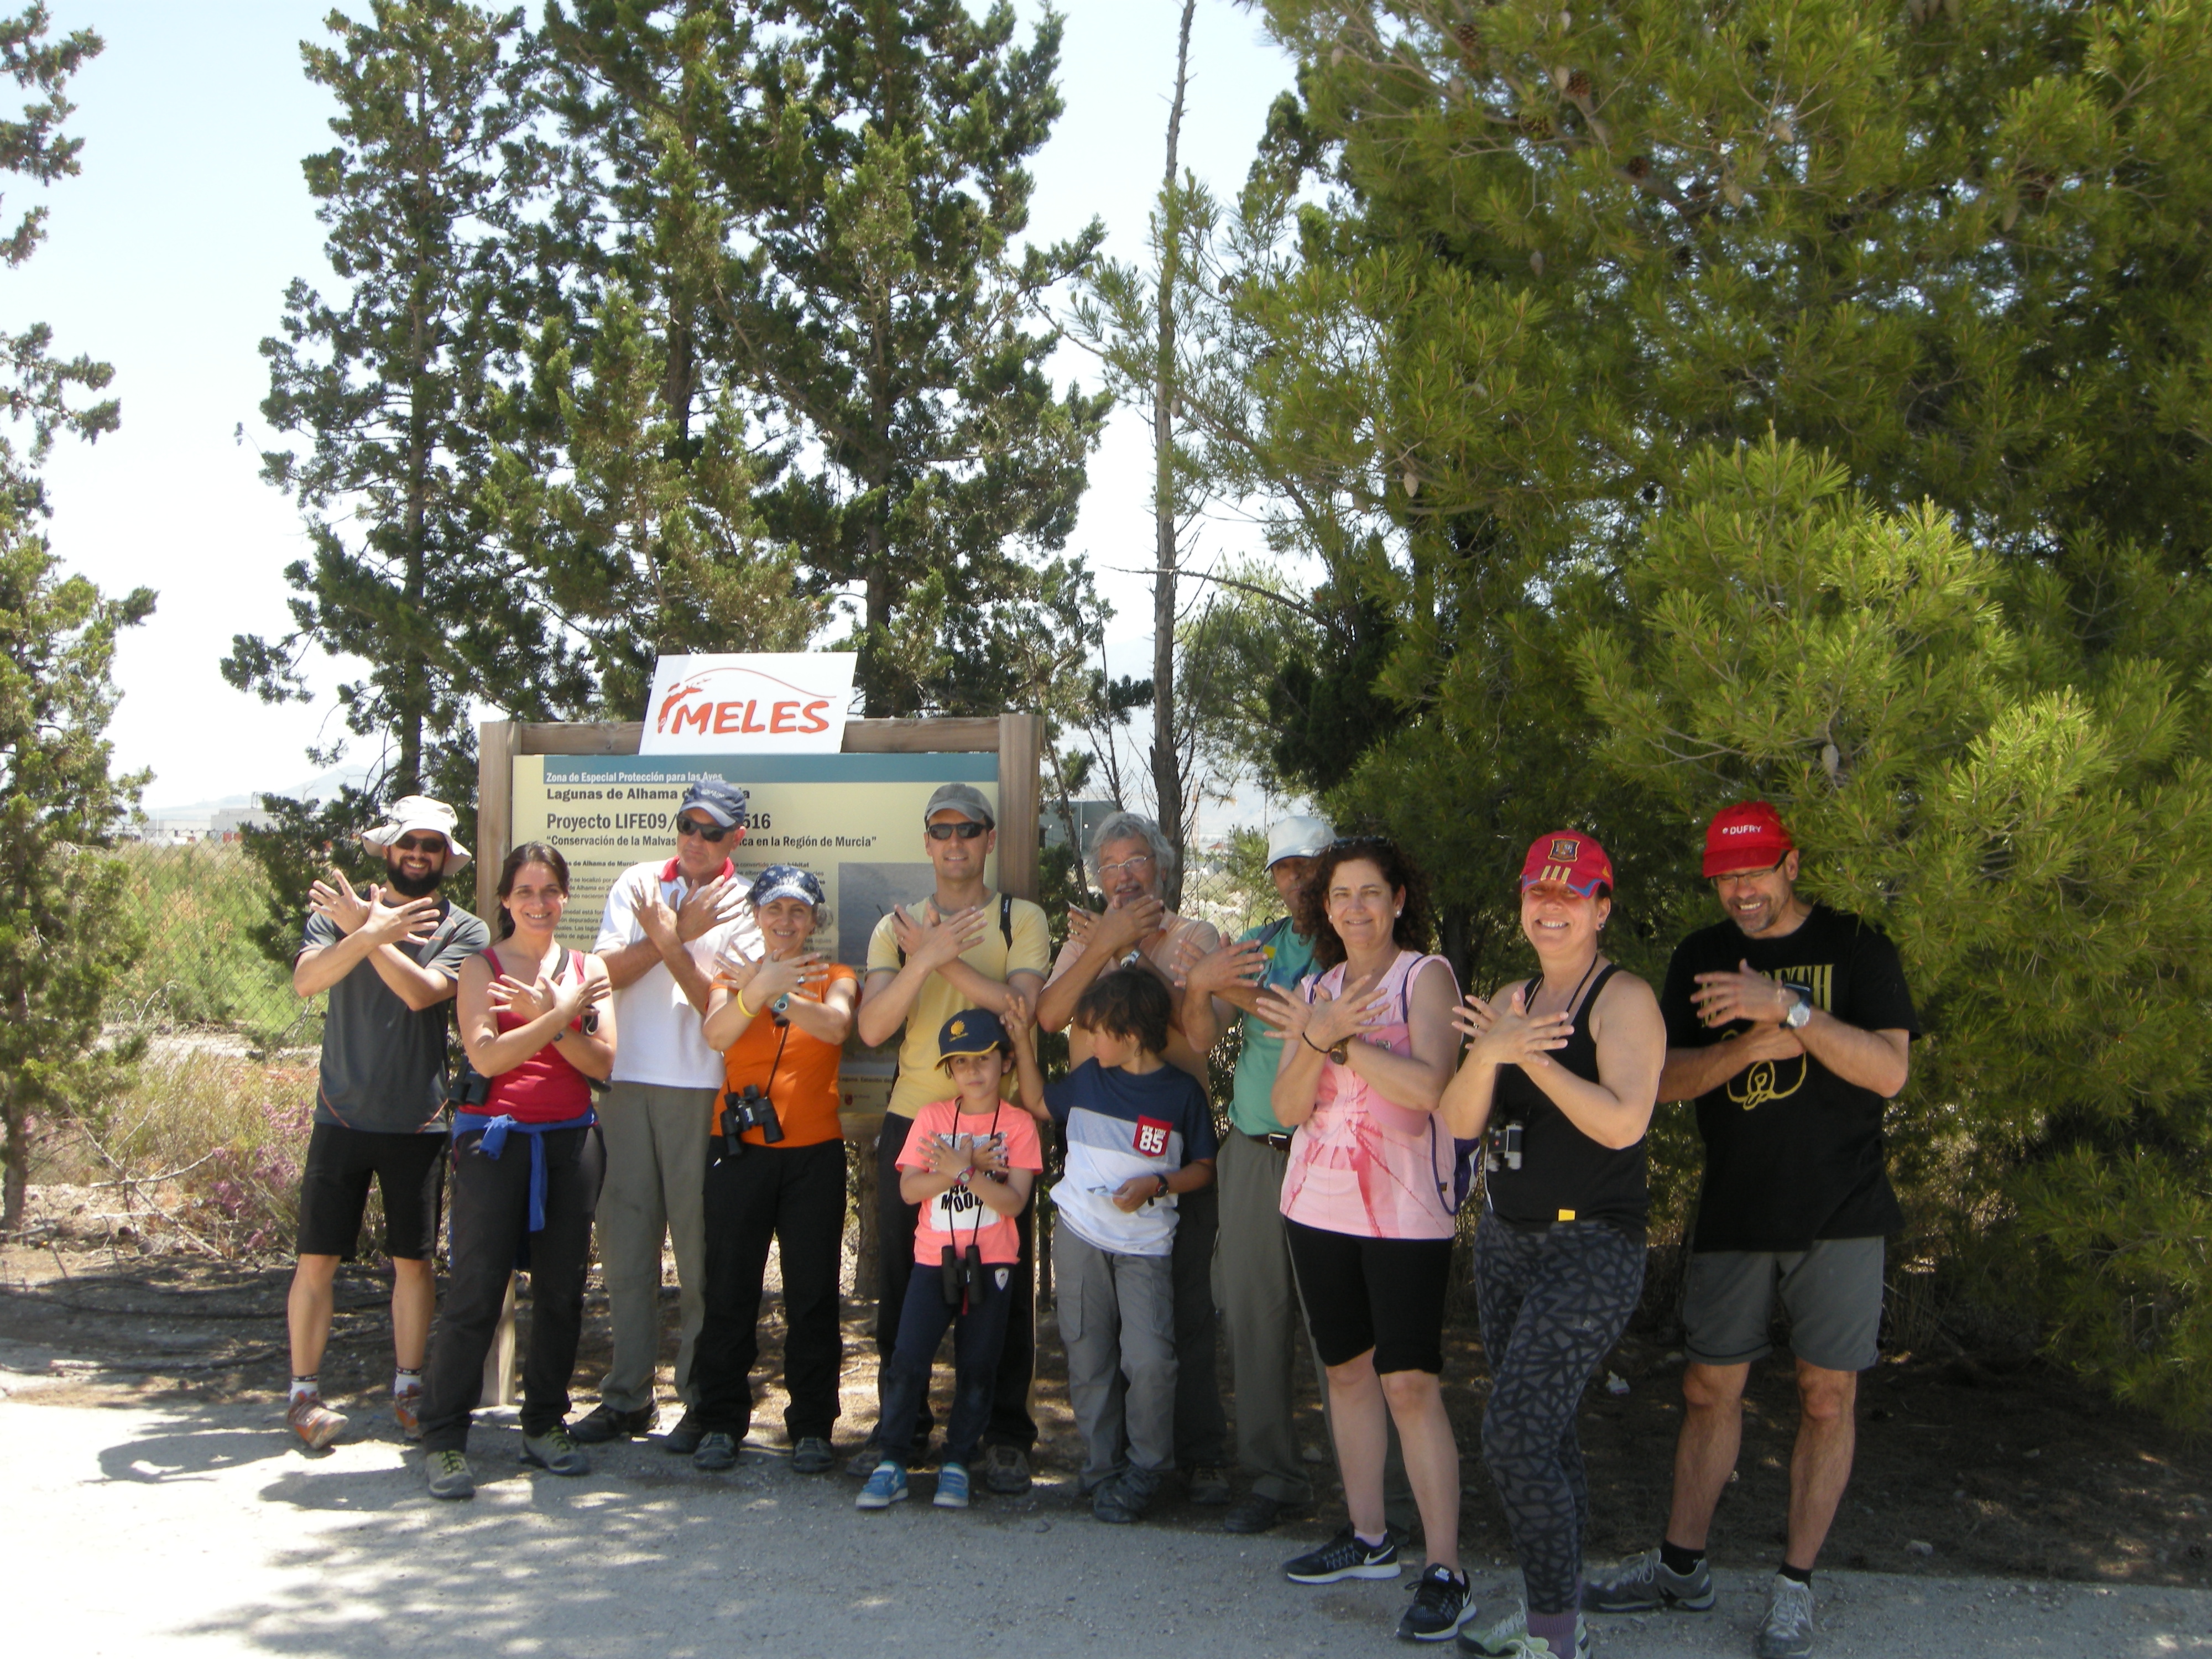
738, 995
1311, 1044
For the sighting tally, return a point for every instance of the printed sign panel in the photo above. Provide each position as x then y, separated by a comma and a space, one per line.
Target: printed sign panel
789, 702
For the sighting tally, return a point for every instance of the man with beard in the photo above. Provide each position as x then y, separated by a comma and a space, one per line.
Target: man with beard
389, 959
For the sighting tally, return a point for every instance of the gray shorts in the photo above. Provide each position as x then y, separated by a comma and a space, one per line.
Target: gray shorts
1832, 1293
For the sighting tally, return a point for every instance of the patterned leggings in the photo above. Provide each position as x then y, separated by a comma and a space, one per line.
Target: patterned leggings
1552, 1305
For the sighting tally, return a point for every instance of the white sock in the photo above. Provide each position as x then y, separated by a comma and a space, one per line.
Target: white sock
306, 1385
402, 1379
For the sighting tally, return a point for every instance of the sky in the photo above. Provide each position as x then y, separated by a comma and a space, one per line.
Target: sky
169, 254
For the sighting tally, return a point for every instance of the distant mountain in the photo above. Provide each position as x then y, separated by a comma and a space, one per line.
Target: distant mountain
322, 787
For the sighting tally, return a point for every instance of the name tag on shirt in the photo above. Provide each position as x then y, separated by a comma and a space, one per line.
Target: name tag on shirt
1151, 1139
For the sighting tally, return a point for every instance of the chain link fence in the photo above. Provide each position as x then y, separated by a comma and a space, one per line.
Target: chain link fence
204, 968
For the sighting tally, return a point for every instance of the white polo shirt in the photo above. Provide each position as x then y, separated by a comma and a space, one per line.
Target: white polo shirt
659, 1037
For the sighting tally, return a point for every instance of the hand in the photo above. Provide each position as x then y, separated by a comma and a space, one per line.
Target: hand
1765, 1042
346, 909
1020, 1020
571, 997
653, 914
935, 944
944, 1160
736, 969
1744, 994
1230, 966
393, 924
1132, 1195
989, 1155
1340, 1018
1511, 1035
1081, 924
1123, 927
706, 907
1285, 1013
524, 999
802, 975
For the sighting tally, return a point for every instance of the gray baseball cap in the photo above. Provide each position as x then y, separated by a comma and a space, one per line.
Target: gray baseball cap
964, 799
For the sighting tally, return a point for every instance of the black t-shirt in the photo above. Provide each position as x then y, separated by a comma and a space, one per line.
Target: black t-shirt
1793, 1152
384, 1063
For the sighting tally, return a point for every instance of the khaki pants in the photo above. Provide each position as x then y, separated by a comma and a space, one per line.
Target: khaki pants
656, 1140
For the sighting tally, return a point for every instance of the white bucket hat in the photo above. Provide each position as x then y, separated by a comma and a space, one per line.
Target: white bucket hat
1297, 838
411, 813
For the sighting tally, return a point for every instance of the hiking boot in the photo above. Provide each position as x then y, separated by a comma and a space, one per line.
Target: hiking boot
447, 1475
813, 1456
1006, 1471
1124, 1498
717, 1451
886, 1486
407, 1410
556, 1452
1509, 1639
684, 1439
1786, 1632
951, 1486
603, 1422
1208, 1484
1442, 1601
1345, 1556
316, 1423
1257, 1512
1644, 1583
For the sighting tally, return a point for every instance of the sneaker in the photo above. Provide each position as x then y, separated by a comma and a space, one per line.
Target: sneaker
717, 1451
556, 1452
1442, 1601
1509, 1639
447, 1473
1644, 1583
407, 1410
684, 1439
1006, 1471
1124, 1498
316, 1423
1207, 1485
1786, 1632
813, 1456
1345, 1556
886, 1487
603, 1422
951, 1486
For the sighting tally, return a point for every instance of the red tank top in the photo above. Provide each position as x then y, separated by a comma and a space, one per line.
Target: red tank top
545, 1088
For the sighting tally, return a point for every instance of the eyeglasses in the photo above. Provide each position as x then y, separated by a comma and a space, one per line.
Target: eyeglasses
1136, 866
419, 844
967, 830
714, 832
1737, 878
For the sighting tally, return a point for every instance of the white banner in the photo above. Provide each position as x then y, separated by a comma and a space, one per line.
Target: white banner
790, 702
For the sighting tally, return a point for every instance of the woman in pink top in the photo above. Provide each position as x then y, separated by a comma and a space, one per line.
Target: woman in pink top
1367, 1204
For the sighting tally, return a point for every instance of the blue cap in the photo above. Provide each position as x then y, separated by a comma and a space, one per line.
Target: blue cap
971, 1031
786, 881
725, 803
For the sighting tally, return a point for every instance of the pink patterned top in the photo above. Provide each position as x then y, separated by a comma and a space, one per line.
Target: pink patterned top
1360, 1165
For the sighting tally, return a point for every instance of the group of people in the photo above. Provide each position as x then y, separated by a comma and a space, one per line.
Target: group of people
681, 1081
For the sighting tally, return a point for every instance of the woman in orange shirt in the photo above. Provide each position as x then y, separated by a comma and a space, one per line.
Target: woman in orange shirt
775, 1169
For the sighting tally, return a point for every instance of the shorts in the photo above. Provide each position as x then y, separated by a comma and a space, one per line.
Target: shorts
1387, 1294
1831, 1291
410, 1171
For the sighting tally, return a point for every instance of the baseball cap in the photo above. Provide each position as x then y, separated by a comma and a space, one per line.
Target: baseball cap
1570, 857
725, 803
1297, 838
964, 799
786, 881
1748, 836
970, 1031
410, 813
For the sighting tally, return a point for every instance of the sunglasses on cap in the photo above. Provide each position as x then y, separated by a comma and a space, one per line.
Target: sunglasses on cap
967, 830
714, 832
419, 844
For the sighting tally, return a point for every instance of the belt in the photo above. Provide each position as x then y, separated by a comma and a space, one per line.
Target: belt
1280, 1143
495, 1131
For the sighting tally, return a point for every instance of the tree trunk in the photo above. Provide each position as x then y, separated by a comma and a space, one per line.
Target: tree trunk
15, 1186
413, 698
1167, 753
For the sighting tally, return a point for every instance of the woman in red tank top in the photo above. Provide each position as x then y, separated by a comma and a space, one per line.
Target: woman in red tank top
528, 1165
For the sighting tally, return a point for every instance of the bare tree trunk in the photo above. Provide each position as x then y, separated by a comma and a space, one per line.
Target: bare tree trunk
15, 1186
1167, 753
414, 675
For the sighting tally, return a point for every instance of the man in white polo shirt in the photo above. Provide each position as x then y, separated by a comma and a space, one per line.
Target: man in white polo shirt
664, 924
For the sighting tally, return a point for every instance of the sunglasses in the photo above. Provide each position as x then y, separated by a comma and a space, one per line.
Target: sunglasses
714, 832
419, 844
967, 830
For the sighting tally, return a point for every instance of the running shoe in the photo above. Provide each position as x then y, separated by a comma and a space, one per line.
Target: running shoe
555, 1452
316, 1423
603, 1422
1644, 1583
1345, 1556
1786, 1632
1442, 1601
951, 1486
447, 1473
1006, 1471
1124, 1498
1207, 1485
886, 1487
407, 1410
813, 1456
717, 1451
1509, 1639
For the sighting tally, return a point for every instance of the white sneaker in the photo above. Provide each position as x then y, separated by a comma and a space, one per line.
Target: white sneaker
1786, 1632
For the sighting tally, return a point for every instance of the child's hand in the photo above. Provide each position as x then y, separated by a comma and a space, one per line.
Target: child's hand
1132, 1195
953, 1161
1018, 1017
989, 1154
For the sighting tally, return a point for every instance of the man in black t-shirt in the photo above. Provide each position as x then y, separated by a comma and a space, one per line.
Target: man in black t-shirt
389, 959
1790, 1026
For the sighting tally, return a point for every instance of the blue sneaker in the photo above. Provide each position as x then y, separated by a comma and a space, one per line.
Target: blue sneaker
951, 1486
886, 1487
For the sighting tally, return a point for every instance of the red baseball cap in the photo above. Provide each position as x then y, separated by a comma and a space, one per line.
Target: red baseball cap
1748, 836
1570, 857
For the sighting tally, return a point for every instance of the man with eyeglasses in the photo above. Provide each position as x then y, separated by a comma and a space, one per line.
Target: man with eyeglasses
964, 947
665, 923
1791, 1025
1130, 860
390, 958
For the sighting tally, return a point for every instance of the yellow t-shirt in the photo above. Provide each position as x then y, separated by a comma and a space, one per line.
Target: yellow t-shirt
919, 1080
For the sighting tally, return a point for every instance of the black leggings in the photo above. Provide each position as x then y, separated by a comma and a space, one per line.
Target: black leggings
491, 1221
1552, 1305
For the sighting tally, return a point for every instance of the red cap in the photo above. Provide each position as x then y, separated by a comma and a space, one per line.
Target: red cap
1570, 857
1748, 836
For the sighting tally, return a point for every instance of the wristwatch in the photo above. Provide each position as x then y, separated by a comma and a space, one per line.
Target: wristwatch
1796, 1019
1342, 1053
1162, 1180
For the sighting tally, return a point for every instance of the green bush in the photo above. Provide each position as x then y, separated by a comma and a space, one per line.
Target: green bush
201, 906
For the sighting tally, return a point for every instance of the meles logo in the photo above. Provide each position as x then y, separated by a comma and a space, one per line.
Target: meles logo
784, 702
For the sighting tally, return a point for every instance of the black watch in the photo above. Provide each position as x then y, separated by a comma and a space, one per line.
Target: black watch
1162, 1180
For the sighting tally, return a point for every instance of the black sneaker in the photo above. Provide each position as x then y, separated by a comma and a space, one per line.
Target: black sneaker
1345, 1556
682, 1440
1442, 1601
716, 1452
1006, 1471
603, 1422
813, 1456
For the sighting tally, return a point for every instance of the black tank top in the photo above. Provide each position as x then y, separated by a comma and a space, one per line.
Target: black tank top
1564, 1176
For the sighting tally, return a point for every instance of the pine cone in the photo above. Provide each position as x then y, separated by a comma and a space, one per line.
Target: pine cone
1639, 167
1536, 127
1578, 84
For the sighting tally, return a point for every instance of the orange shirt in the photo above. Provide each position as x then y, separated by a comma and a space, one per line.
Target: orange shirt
801, 1079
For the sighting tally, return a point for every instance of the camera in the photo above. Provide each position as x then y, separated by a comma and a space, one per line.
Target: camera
1504, 1150
468, 1088
962, 1271
750, 1109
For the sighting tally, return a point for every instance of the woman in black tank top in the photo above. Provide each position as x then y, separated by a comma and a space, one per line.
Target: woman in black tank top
1559, 1080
